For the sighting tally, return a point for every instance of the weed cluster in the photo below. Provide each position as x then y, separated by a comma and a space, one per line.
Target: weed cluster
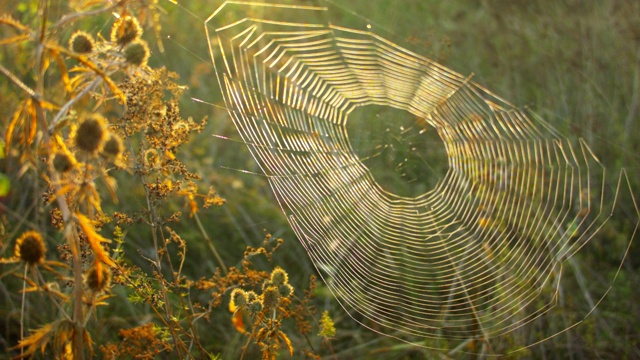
90, 113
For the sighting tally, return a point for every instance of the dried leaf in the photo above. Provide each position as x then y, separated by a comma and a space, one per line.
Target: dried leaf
13, 39
8, 20
88, 63
15, 119
63, 71
39, 339
112, 186
286, 341
33, 124
95, 240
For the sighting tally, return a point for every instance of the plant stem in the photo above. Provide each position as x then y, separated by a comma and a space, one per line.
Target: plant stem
24, 302
78, 316
211, 246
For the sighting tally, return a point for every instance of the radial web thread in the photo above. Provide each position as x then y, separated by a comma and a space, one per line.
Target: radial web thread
480, 254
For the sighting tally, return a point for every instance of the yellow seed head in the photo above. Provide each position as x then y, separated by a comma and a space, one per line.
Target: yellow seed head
279, 276
137, 53
98, 278
252, 296
113, 146
90, 134
125, 30
62, 162
239, 297
81, 42
285, 290
270, 297
30, 248
255, 306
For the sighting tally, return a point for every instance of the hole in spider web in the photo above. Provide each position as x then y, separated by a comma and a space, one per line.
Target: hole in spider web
403, 153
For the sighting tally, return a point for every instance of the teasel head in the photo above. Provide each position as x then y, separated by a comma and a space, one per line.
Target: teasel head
125, 30
112, 147
137, 53
239, 298
30, 248
271, 297
63, 162
90, 134
279, 276
82, 42
98, 278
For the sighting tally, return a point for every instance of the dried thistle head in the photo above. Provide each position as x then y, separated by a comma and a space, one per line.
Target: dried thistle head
125, 30
112, 147
285, 290
137, 53
98, 278
279, 276
62, 162
238, 298
90, 134
30, 248
81, 42
252, 296
254, 303
271, 297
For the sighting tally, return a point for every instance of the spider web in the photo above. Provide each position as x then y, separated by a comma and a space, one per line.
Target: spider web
478, 255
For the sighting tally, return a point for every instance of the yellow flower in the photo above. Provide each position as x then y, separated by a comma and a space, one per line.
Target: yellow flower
327, 329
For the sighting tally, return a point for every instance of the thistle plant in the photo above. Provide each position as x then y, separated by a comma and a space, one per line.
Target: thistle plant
89, 115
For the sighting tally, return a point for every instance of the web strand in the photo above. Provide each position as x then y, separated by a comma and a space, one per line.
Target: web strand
479, 255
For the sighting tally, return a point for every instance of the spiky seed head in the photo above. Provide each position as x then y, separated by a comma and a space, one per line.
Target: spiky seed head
81, 42
125, 30
113, 146
91, 133
285, 290
239, 297
137, 53
255, 306
98, 278
30, 248
266, 284
271, 297
62, 162
279, 276
252, 296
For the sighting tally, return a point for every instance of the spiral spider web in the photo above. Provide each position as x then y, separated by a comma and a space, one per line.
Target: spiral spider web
477, 256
